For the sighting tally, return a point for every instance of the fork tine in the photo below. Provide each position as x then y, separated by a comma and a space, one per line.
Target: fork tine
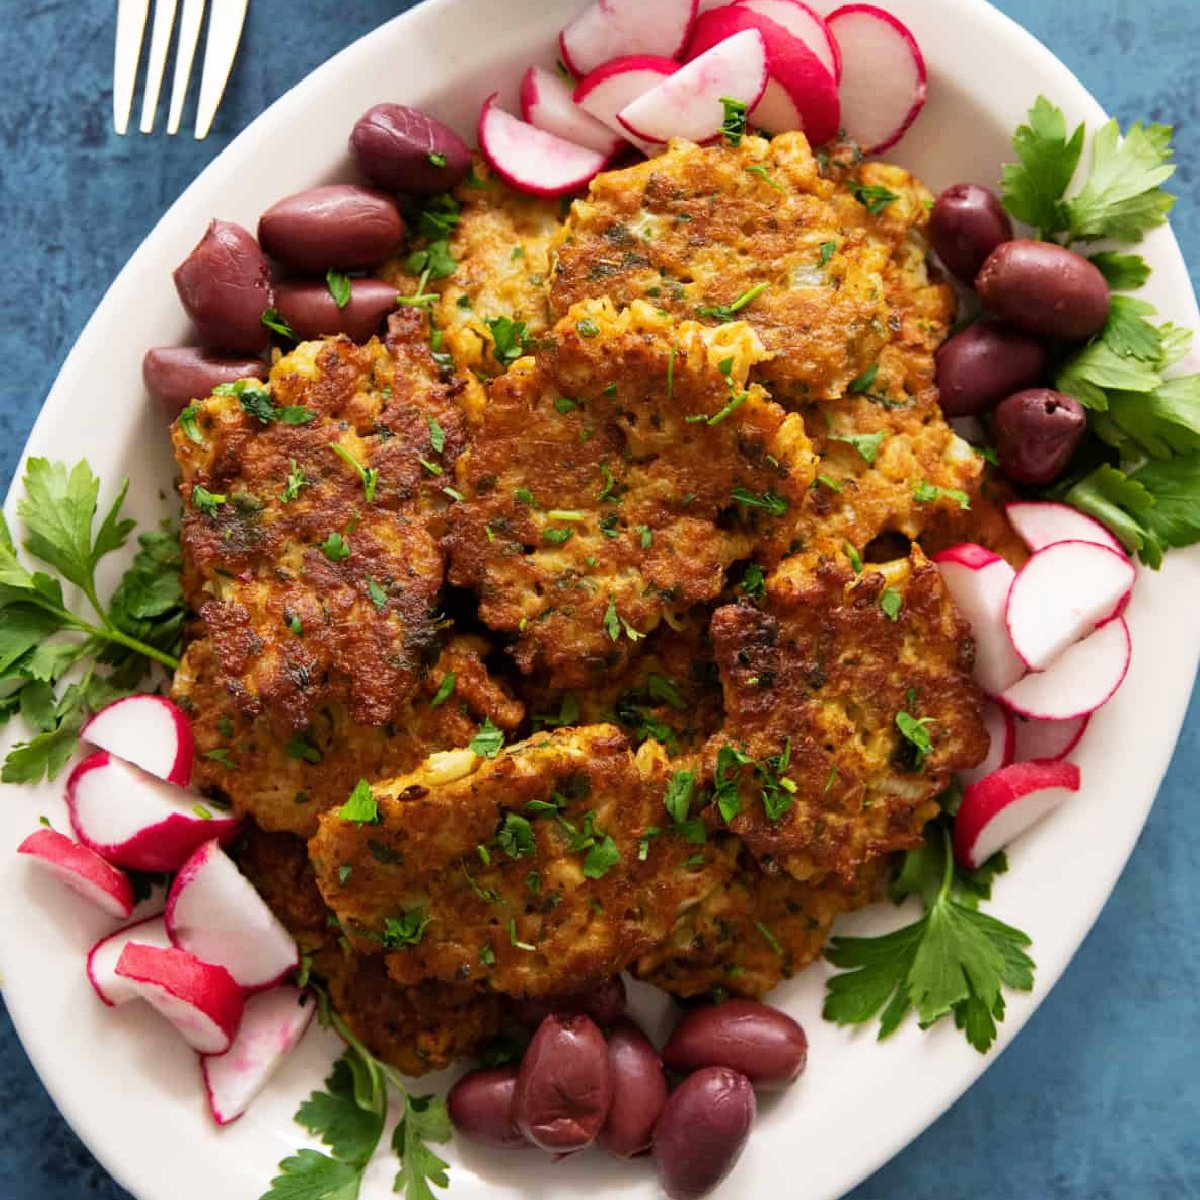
185, 53
131, 25
160, 41
225, 20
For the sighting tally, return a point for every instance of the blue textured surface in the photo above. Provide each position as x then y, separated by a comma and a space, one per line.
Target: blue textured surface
1098, 1099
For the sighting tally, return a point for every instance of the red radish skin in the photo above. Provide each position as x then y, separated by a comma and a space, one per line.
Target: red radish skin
1049, 740
1004, 804
609, 88
82, 870
103, 957
689, 104
804, 23
214, 913
548, 103
271, 1028
1060, 595
530, 159
136, 821
609, 29
1042, 523
1001, 728
884, 81
1082, 679
151, 732
201, 1000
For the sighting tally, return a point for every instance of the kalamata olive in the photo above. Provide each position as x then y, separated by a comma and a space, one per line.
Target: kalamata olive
225, 285
703, 1131
312, 312
604, 1004
405, 150
564, 1087
977, 368
967, 223
1035, 432
1044, 289
177, 375
341, 227
480, 1105
761, 1042
639, 1091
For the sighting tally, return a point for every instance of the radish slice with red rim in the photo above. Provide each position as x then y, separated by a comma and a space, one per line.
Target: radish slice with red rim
609, 88
1050, 740
149, 731
1042, 523
609, 29
102, 959
81, 869
547, 103
999, 723
803, 23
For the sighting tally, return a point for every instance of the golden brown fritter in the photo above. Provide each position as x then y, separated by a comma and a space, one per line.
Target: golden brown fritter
314, 584
547, 868
616, 476
843, 722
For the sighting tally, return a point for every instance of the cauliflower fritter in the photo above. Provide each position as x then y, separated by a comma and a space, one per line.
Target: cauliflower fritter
615, 478
547, 868
849, 704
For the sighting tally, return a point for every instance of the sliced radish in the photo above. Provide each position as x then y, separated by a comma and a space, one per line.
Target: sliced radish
611, 29
530, 159
801, 92
103, 957
884, 81
609, 88
272, 1025
201, 1000
1049, 740
689, 104
1004, 804
803, 23
999, 723
1060, 595
1042, 523
548, 103
1081, 680
135, 820
82, 870
979, 582
149, 731
214, 912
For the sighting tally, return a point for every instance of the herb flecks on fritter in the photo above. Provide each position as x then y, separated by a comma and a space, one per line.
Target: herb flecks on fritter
849, 705
616, 476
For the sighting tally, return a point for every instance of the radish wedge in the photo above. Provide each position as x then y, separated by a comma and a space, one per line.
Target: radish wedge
1060, 595
803, 23
1042, 523
884, 80
214, 913
532, 160
609, 88
201, 1000
82, 870
149, 731
979, 582
1049, 740
102, 959
272, 1025
547, 102
136, 821
689, 104
1081, 680
609, 29
1006, 803
1000, 725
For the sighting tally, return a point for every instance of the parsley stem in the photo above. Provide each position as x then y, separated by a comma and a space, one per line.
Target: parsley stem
106, 632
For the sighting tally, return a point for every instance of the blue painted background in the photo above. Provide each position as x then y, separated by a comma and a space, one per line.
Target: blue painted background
1099, 1099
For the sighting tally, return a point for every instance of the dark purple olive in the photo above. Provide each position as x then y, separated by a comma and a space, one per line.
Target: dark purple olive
759, 1041
480, 1105
604, 1004
967, 223
703, 1131
405, 150
564, 1087
312, 312
977, 368
1035, 432
225, 286
1044, 289
639, 1091
340, 227
177, 375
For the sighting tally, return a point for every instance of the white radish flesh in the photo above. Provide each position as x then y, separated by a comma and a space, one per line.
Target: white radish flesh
214, 913
1050, 740
102, 959
999, 724
1060, 595
884, 80
609, 88
272, 1025
803, 23
82, 870
609, 29
1042, 523
548, 103
151, 732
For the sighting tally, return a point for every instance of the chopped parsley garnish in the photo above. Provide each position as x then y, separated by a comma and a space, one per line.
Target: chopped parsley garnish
854, 558
335, 547
564, 404
256, 402
727, 775
405, 930
769, 937
872, 197
431, 467
775, 505
187, 422
361, 808
437, 435
514, 940
610, 490
867, 444
445, 689
510, 339
339, 287
294, 623
295, 481
588, 328
764, 174
643, 845
677, 799
891, 602
916, 733
557, 536
300, 746
826, 252
435, 158
489, 741
645, 536
272, 319
753, 582
368, 475
733, 127
568, 714
726, 312
377, 594
926, 492
515, 837
863, 383
615, 624
205, 501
